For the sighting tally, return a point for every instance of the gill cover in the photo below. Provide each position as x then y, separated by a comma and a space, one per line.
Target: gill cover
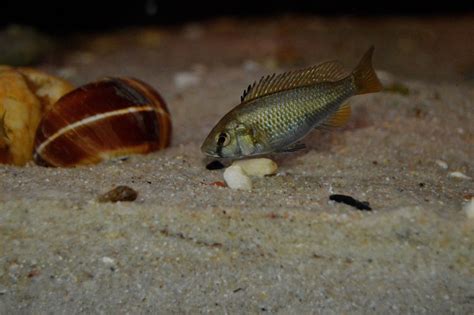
245, 139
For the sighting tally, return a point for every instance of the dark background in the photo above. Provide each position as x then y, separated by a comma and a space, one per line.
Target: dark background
86, 15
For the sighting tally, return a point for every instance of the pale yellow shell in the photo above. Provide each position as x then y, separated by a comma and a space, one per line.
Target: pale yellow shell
24, 95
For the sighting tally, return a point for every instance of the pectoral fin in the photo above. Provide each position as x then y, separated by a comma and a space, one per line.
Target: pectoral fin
246, 148
245, 138
293, 147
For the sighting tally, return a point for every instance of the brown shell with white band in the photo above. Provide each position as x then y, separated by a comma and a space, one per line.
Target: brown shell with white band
101, 120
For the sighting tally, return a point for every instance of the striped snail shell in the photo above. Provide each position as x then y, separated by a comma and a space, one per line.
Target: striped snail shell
102, 120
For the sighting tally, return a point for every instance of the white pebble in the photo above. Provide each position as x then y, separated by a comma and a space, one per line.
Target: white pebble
235, 178
183, 80
469, 209
459, 175
108, 260
257, 167
442, 164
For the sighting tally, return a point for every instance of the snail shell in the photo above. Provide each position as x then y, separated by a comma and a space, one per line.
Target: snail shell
101, 120
24, 95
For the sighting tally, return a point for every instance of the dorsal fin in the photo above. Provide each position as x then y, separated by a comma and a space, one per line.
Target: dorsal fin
328, 71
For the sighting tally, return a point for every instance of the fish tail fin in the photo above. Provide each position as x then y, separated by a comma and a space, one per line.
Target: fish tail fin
365, 78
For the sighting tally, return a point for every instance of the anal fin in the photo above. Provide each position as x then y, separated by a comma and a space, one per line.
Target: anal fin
339, 118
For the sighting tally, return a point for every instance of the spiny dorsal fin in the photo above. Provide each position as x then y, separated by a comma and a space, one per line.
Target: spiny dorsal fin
328, 71
339, 118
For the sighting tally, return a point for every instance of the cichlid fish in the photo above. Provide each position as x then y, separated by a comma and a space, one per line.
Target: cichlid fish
280, 110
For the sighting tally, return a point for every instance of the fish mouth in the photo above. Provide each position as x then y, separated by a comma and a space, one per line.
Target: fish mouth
209, 152
212, 154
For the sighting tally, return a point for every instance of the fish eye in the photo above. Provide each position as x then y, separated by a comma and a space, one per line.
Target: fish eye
223, 139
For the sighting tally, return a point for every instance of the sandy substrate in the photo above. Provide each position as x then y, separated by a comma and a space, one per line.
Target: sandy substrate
185, 246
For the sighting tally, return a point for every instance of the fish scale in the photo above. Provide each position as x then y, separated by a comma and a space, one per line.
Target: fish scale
287, 112
279, 110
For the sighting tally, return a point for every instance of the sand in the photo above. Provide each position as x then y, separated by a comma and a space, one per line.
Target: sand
185, 246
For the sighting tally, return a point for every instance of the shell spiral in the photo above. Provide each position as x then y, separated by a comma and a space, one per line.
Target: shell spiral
102, 120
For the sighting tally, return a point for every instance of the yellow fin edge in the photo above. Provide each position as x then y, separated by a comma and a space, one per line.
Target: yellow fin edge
339, 118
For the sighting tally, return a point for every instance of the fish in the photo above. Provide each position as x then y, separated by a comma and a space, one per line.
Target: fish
276, 113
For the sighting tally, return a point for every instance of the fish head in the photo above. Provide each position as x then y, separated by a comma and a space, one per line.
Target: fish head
229, 140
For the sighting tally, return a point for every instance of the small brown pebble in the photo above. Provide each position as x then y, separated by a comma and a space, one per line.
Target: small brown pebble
419, 113
218, 184
273, 216
468, 196
119, 193
33, 273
